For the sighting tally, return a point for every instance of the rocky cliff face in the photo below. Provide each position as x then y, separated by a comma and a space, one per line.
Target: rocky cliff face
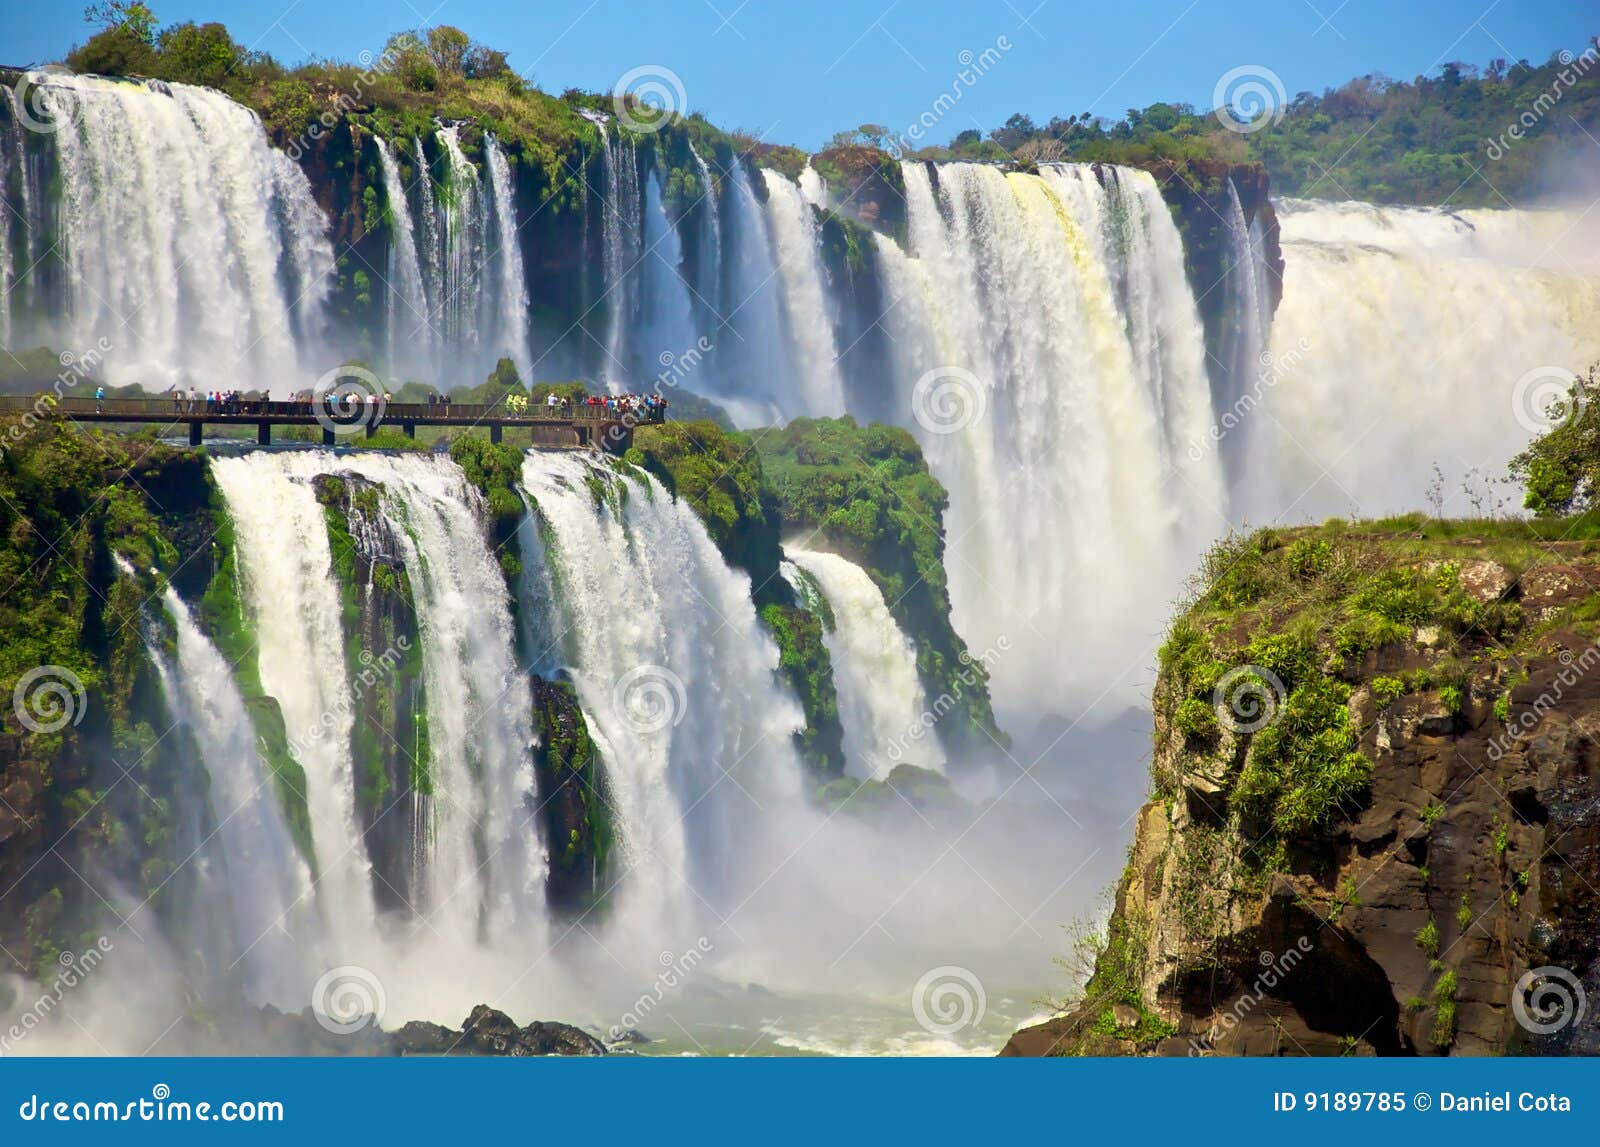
1368, 840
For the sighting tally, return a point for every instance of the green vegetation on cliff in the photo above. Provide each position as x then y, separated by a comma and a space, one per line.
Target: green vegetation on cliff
865, 492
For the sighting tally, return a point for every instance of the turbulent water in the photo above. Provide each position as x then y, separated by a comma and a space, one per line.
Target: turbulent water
1052, 379
1481, 301
189, 245
1038, 334
676, 677
874, 667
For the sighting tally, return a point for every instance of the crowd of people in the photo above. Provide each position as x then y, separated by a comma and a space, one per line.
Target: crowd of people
640, 407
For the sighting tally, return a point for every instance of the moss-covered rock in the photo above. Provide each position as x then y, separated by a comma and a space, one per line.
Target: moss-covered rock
574, 807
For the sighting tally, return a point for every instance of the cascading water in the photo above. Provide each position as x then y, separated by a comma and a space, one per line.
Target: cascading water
805, 298
295, 606
1358, 417
676, 677
874, 668
710, 240
622, 241
511, 285
485, 870
753, 354
1244, 342
462, 226
666, 321
190, 245
409, 318
1051, 413
276, 926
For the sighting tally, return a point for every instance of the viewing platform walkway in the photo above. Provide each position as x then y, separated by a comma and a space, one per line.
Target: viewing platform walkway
577, 427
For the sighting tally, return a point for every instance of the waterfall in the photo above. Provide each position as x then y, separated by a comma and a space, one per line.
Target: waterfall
812, 189
710, 239
753, 357
1036, 369
677, 679
1248, 318
409, 320
1484, 299
666, 314
462, 226
486, 867
874, 667
620, 228
511, 288
295, 608
432, 246
276, 928
794, 232
19, 220
190, 245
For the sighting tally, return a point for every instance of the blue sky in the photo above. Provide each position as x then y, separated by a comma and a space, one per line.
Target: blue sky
797, 72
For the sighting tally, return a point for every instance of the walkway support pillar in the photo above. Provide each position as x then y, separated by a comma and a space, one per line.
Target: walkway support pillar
263, 434
194, 434
494, 431
327, 437
410, 428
